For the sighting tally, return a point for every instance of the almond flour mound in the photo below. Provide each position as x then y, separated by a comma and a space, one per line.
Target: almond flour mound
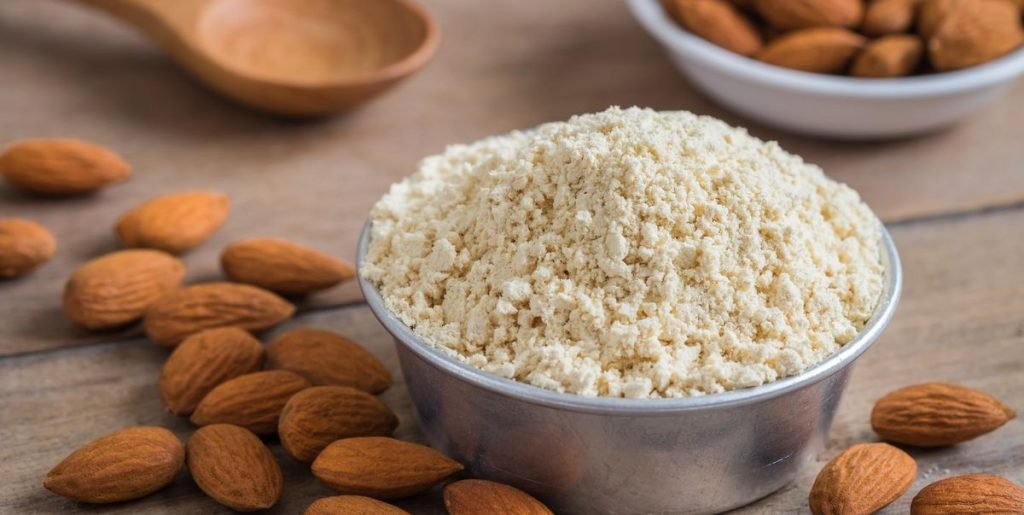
628, 253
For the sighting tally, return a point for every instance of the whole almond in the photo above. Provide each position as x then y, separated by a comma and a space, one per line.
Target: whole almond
969, 494
253, 401
282, 266
174, 223
117, 288
888, 17
317, 416
123, 465
24, 246
203, 361
188, 310
352, 505
805, 14
718, 22
937, 414
930, 13
381, 467
862, 479
814, 50
326, 358
476, 496
56, 166
975, 32
896, 55
231, 465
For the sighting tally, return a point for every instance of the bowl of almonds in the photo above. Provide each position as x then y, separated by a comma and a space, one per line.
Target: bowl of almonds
844, 68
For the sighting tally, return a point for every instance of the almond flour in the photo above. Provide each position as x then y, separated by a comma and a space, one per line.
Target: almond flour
628, 253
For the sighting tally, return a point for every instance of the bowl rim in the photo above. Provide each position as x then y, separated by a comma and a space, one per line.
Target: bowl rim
531, 394
413, 60
653, 18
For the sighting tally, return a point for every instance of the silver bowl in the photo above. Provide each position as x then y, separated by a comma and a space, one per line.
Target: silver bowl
594, 455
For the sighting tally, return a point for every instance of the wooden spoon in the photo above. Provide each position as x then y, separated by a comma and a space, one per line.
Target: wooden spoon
290, 57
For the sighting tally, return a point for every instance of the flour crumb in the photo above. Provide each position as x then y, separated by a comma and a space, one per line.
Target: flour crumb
628, 253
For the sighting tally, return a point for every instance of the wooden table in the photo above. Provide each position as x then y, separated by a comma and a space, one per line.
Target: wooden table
954, 202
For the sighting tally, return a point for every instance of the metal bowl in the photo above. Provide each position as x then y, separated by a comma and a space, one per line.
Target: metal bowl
593, 455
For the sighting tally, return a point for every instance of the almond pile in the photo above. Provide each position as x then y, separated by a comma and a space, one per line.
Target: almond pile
873, 39
316, 394
868, 477
216, 376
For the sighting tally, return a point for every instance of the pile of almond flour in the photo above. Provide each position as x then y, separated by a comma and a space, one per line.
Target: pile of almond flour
628, 253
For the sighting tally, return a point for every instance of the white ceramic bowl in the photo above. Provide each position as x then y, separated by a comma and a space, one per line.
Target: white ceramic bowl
825, 105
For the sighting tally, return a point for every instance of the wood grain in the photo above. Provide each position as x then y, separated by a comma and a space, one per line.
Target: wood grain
69, 71
961, 320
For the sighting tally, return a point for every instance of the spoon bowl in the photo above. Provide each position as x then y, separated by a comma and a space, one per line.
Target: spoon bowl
299, 58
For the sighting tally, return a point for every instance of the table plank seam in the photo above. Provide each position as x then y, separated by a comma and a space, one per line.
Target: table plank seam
947, 217
137, 334
1006, 207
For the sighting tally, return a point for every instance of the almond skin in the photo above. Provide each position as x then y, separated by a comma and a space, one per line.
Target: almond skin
888, 17
937, 414
814, 50
718, 22
24, 246
116, 289
203, 361
474, 496
352, 505
56, 166
317, 416
282, 266
970, 494
253, 401
232, 466
326, 358
805, 14
975, 32
186, 311
896, 55
174, 223
381, 467
930, 13
123, 465
862, 479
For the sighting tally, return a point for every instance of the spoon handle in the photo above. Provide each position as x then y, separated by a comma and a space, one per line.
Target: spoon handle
169, 22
